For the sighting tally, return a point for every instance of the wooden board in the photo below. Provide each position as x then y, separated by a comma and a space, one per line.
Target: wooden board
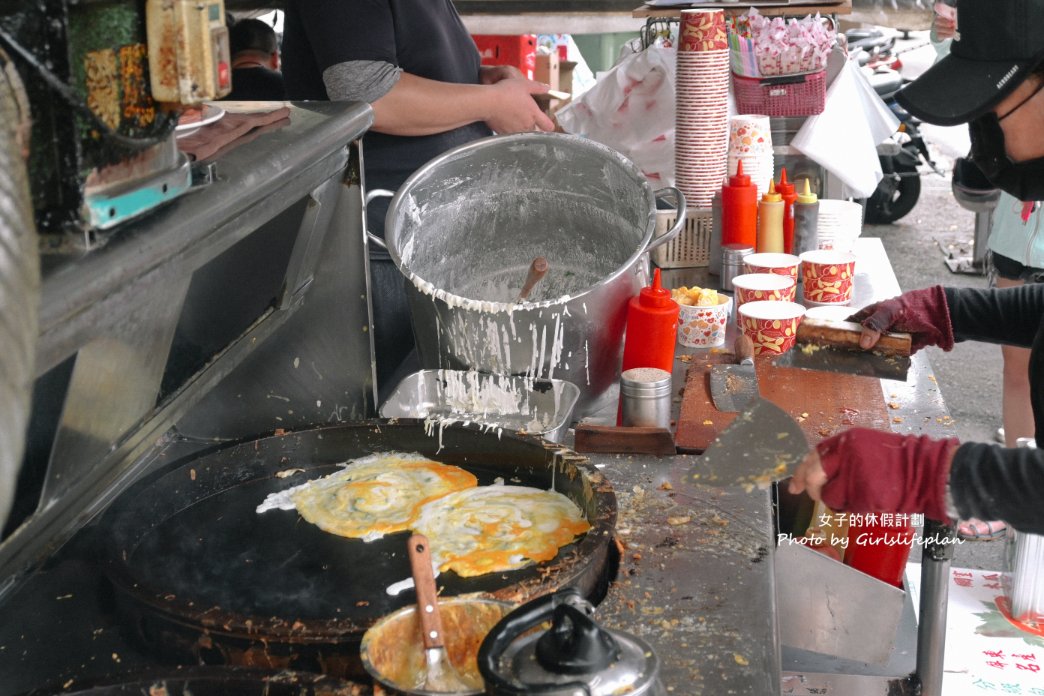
823, 403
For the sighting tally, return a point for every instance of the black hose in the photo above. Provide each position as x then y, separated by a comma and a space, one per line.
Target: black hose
66, 93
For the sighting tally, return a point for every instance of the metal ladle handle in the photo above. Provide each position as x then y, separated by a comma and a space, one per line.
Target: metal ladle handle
537, 270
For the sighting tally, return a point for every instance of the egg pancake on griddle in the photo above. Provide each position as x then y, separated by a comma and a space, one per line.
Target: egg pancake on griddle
374, 496
495, 528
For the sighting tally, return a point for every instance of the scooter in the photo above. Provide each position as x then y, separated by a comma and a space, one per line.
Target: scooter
902, 155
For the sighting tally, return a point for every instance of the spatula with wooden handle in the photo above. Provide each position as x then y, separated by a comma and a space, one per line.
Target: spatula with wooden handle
833, 346
537, 270
439, 673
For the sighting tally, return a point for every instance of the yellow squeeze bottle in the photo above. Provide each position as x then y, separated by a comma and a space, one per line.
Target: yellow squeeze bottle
770, 221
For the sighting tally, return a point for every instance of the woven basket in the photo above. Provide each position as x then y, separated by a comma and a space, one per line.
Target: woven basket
789, 95
691, 248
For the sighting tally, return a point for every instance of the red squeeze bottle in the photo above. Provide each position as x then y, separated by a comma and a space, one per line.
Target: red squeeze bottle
652, 328
652, 331
739, 209
787, 190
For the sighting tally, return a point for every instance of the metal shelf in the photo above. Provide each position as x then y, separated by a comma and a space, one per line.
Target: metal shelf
805, 7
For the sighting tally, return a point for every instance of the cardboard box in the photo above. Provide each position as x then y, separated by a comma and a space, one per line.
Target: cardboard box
508, 49
565, 75
547, 69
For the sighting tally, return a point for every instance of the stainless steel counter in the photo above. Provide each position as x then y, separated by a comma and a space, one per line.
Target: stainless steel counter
697, 576
250, 289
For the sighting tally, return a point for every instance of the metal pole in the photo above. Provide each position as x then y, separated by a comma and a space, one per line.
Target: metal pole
983, 222
935, 590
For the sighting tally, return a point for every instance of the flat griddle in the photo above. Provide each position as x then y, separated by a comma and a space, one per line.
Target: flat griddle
209, 681
200, 575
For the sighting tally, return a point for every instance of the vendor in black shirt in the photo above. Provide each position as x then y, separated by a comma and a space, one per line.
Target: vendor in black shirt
416, 64
993, 80
255, 62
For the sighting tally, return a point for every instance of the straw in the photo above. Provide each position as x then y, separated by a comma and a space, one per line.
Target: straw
1025, 562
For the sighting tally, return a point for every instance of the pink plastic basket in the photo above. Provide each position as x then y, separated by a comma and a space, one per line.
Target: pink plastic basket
788, 95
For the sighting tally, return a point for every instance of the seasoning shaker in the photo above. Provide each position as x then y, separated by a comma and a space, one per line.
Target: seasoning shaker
732, 256
645, 396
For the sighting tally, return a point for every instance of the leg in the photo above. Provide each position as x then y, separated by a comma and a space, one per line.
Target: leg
1016, 413
1016, 410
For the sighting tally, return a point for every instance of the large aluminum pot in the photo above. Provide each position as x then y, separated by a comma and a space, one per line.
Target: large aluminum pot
464, 229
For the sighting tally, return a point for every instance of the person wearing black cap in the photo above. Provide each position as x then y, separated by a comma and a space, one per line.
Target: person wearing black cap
993, 80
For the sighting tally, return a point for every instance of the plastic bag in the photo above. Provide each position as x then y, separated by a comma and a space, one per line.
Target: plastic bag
843, 139
631, 109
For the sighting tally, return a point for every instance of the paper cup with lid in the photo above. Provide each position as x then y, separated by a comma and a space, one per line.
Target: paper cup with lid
828, 276
771, 326
755, 287
828, 312
767, 262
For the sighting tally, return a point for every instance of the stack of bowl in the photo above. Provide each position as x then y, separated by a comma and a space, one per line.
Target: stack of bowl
840, 223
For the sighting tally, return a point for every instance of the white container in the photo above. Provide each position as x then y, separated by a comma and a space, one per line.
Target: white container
704, 326
840, 224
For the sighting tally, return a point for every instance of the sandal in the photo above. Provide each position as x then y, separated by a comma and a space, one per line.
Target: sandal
981, 530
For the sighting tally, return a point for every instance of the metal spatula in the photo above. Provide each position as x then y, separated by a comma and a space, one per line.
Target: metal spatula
762, 445
439, 673
734, 386
833, 346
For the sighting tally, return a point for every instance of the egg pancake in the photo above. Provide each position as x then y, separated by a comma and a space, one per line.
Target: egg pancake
377, 496
496, 528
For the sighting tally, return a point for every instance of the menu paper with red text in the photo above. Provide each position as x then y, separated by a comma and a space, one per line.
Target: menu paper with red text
986, 653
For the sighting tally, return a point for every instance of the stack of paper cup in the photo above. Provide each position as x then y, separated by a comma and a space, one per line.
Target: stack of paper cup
750, 142
840, 224
702, 104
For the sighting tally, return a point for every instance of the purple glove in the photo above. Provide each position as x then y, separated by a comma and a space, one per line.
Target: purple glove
874, 471
923, 314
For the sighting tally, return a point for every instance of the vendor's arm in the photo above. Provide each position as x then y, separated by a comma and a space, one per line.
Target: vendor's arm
1001, 315
417, 106
863, 471
990, 482
357, 48
939, 316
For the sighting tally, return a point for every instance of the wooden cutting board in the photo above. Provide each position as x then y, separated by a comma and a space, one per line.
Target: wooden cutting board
823, 403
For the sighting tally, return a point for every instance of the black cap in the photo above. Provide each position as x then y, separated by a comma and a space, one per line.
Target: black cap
1001, 41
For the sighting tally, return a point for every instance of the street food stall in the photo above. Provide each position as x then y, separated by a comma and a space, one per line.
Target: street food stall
205, 352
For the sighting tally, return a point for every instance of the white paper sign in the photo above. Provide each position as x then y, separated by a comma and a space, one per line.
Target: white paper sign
986, 652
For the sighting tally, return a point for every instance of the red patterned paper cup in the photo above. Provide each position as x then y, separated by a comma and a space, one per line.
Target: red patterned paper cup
703, 30
771, 326
828, 276
781, 264
704, 327
755, 287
